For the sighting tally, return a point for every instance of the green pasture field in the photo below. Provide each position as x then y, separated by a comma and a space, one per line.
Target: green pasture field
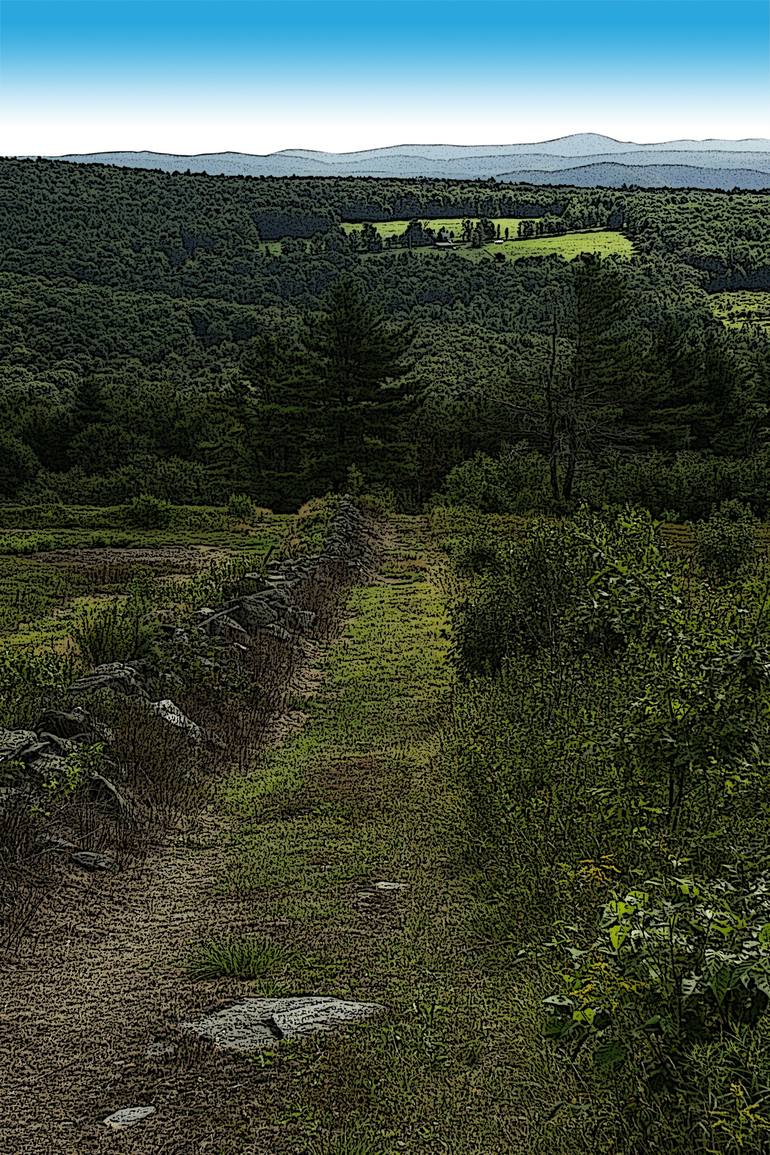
745, 307
603, 242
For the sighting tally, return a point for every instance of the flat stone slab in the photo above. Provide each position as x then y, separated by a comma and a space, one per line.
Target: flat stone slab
170, 712
127, 1117
391, 885
255, 1023
90, 860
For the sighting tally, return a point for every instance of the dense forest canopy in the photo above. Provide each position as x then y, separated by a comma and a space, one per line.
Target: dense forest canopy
182, 333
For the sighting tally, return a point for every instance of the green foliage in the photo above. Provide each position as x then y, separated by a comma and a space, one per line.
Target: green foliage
726, 545
617, 720
28, 681
678, 970
248, 958
240, 507
145, 351
148, 512
115, 632
354, 481
61, 781
690, 958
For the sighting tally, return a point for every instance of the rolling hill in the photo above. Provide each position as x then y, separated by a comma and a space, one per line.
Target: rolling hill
583, 159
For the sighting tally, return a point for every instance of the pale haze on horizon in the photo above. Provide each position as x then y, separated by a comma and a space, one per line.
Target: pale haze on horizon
193, 76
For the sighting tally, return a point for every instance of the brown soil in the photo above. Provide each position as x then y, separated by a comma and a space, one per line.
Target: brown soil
177, 558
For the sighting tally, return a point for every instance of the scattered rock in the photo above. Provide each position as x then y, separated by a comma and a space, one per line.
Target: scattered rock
55, 845
9, 795
90, 860
116, 676
63, 746
278, 632
14, 743
66, 723
49, 767
253, 612
128, 1116
171, 713
256, 1023
224, 626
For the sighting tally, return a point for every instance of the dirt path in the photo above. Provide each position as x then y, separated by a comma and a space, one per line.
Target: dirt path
102, 983
99, 983
355, 798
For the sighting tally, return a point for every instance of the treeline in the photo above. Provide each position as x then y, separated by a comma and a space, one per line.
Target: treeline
574, 366
199, 235
148, 340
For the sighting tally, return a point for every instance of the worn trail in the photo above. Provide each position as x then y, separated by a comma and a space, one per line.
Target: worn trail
337, 853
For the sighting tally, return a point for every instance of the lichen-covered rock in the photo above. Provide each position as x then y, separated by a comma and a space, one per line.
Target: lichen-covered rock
255, 612
14, 743
169, 712
119, 677
255, 1023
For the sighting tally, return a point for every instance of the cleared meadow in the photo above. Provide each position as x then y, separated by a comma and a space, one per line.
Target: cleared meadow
76, 557
602, 242
744, 307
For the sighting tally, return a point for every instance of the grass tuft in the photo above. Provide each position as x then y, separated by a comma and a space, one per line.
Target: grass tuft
238, 958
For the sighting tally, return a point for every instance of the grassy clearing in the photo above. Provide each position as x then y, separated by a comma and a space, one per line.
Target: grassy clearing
453, 224
363, 795
57, 562
603, 242
742, 308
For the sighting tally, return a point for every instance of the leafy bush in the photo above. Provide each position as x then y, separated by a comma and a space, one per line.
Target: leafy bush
116, 632
624, 724
726, 545
28, 681
677, 968
240, 507
148, 512
517, 481
674, 961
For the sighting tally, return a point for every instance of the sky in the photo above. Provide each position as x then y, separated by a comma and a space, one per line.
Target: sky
190, 76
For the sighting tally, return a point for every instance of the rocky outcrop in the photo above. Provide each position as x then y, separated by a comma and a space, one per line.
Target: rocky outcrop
256, 1023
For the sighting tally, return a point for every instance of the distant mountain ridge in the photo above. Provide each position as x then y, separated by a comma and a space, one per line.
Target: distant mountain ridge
585, 159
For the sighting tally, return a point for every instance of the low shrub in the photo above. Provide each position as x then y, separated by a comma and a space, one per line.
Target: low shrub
240, 507
726, 545
148, 512
116, 632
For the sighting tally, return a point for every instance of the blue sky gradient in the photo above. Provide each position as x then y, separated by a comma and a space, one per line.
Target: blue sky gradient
209, 75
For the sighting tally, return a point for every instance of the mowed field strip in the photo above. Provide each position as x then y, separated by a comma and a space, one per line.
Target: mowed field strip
602, 242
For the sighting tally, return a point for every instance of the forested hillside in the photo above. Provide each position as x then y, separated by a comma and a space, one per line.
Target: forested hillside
183, 334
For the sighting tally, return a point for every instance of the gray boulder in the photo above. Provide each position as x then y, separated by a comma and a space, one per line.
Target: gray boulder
15, 743
256, 1023
169, 712
128, 1117
255, 612
119, 677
